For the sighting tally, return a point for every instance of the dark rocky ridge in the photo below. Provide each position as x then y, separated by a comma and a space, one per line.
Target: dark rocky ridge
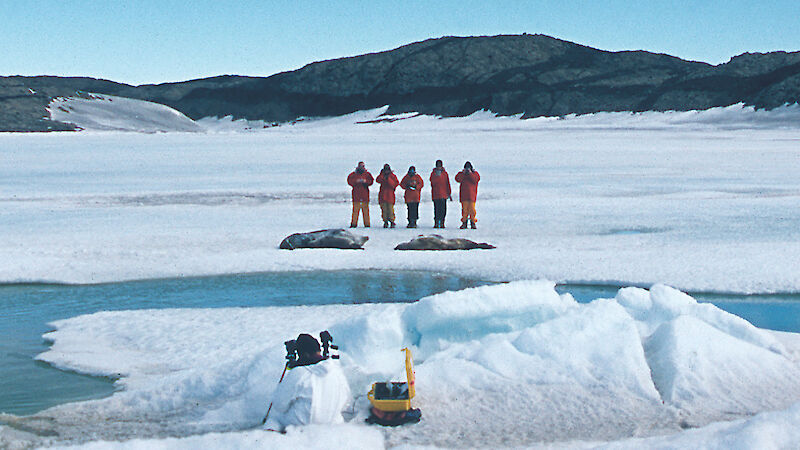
531, 74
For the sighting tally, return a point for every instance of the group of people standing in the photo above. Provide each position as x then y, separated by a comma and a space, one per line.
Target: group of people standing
360, 180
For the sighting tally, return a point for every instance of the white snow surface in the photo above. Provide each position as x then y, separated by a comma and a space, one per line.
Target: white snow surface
101, 112
110, 113
703, 201
560, 372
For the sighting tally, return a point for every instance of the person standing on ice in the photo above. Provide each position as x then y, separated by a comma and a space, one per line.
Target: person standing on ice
412, 183
468, 194
360, 179
314, 390
388, 181
440, 192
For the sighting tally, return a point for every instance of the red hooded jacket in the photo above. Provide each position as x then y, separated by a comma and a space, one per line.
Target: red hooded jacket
388, 185
360, 183
469, 185
409, 182
440, 185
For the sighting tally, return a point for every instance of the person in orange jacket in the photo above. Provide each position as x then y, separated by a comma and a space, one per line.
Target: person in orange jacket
360, 179
412, 183
388, 181
440, 192
468, 193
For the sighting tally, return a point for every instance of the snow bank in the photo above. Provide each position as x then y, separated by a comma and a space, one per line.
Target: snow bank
228, 124
697, 367
706, 361
110, 113
663, 303
504, 365
459, 316
98, 112
733, 117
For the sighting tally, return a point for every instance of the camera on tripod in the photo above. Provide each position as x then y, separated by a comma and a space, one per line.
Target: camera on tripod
293, 356
327, 345
291, 352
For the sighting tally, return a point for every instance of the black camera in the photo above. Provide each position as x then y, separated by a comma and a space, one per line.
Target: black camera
291, 352
327, 345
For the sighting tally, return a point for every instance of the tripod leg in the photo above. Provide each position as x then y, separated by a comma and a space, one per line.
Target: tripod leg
270, 403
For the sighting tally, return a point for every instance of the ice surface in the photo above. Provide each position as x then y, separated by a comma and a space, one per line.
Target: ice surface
558, 372
702, 201
769, 430
708, 205
312, 436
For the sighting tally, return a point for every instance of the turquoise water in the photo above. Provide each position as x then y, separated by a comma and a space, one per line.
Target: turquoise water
27, 386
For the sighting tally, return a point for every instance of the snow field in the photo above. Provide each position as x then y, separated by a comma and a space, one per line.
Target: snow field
111, 113
703, 201
702, 209
559, 372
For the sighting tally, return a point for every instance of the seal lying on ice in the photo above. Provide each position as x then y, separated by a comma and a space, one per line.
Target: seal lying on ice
436, 242
337, 238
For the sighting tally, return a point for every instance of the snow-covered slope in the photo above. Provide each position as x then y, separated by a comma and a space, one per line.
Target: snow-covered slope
96, 112
506, 365
109, 113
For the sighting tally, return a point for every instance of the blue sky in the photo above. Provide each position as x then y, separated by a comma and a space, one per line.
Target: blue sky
149, 41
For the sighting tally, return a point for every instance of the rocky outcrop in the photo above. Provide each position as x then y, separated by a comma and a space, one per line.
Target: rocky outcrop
534, 75
336, 238
436, 242
24, 100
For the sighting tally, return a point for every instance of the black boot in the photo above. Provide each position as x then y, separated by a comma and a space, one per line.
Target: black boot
392, 225
352, 225
472, 224
463, 225
385, 224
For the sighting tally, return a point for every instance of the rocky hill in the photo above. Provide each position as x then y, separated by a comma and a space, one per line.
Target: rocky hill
534, 75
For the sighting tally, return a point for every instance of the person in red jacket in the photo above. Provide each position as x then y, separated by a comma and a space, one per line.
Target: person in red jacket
388, 181
360, 179
440, 192
468, 193
412, 183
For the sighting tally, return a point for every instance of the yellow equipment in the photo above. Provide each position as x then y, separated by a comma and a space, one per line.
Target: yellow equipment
394, 396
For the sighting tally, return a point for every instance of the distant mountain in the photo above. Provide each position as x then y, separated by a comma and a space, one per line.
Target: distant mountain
534, 75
